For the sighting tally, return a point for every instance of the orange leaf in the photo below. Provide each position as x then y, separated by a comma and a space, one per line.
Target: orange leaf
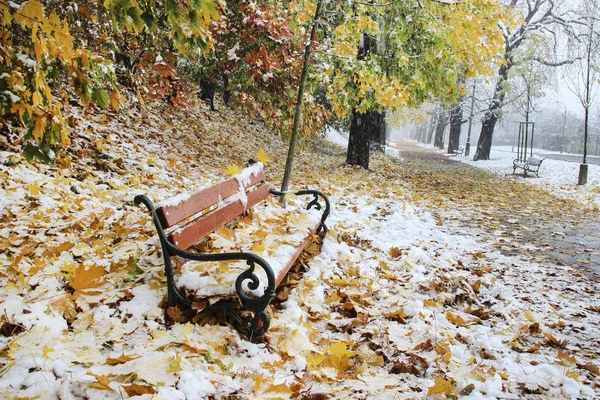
86, 278
138, 390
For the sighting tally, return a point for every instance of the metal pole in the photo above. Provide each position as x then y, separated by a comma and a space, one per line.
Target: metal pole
468, 144
532, 132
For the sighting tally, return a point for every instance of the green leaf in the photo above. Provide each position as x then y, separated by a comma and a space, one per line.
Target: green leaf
100, 97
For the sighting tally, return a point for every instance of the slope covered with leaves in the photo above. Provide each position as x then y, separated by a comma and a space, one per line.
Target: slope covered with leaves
399, 302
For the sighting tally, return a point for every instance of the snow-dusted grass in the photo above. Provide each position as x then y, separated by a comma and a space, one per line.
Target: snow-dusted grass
557, 177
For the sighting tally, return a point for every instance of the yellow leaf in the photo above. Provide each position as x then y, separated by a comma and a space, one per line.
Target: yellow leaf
86, 278
29, 13
40, 128
457, 319
281, 389
116, 99
573, 375
175, 365
226, 233
566, 357
258, 247
66, 307
530, 316
477, 254
233, 169
37, 98
417, 197
47, 350
138, 390
432, 303
34, 189
4, 14
263, 157
101, 383
441, 386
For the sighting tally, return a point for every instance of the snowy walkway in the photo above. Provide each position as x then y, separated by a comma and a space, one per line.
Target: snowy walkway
522, 217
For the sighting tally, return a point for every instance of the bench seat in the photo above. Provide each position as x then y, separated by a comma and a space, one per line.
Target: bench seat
274, 233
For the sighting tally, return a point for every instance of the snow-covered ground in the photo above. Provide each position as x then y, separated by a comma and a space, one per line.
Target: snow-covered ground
395, 305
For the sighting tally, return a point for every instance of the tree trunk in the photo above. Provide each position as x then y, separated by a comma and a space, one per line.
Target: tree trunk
362, 129
456, 116
484, 145
379, 139
440, 127
432, 125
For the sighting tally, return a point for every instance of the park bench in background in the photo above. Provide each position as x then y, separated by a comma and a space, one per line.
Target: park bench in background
185, 220
532, 164
458, 151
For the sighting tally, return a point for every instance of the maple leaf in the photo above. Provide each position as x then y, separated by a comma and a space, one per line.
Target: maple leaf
138, 390
34, 189
262, 157
441, 386
84, 279
29, 13
233, 169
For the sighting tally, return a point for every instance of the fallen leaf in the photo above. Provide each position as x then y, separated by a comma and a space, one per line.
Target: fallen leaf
441, 386
121, 359
233, 170
101, 383
262, 157
138, 390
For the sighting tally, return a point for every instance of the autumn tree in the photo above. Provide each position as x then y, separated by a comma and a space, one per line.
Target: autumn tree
522, 21
51, 54
392, 55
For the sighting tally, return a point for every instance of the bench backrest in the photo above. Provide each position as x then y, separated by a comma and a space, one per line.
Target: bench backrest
207, 210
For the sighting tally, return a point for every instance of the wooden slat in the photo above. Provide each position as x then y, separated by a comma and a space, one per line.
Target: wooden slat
290, 263
172, 215
213, 220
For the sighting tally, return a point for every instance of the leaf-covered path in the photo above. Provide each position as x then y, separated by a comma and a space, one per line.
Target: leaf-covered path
521, 218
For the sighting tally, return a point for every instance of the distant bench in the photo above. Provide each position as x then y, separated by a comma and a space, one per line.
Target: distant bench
458, 151
189, 219
532, 164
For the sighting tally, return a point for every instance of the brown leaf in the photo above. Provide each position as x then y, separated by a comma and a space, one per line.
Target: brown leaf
138, 390
395, 252
66, 307
591, 368
176, 315
467, 390
121, 359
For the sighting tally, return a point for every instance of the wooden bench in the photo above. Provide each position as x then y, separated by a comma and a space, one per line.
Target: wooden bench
532, 164
185, 220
